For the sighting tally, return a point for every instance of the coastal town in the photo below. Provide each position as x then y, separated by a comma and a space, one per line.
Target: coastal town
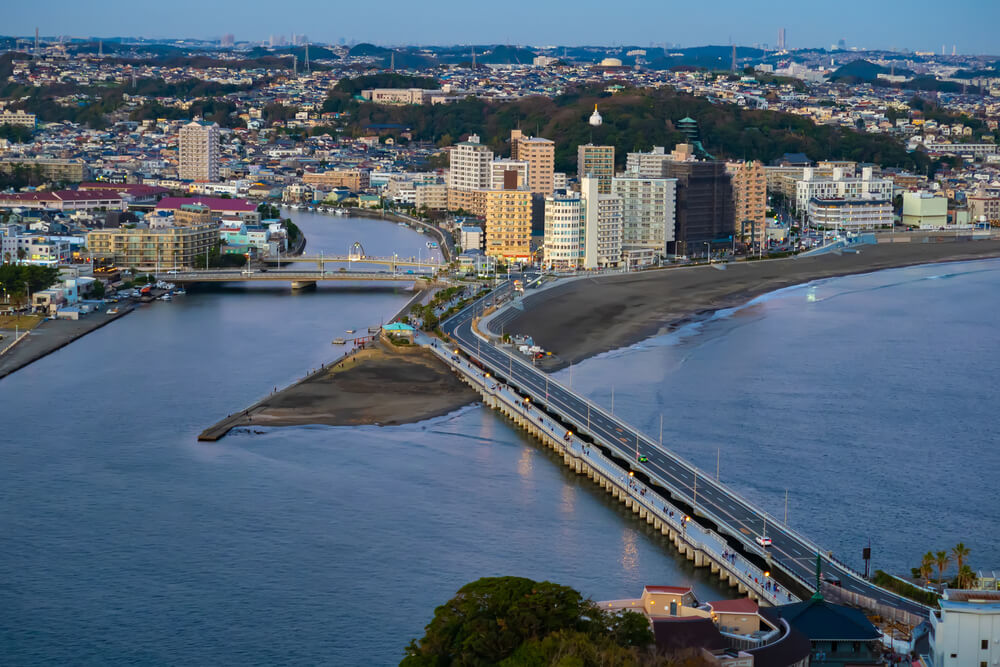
524, 210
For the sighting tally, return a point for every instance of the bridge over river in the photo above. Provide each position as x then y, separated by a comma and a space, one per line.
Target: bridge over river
297, 277
715, 510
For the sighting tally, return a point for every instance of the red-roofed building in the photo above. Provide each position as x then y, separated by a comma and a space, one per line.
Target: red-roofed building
63, 200
133, 193
219, 206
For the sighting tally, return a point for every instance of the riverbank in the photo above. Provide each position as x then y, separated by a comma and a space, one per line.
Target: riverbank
51, 335
585, 317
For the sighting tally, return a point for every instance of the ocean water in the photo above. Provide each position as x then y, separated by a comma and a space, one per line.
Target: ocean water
869, 399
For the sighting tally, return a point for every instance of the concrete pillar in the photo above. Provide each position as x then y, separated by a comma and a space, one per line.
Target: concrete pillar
303, 284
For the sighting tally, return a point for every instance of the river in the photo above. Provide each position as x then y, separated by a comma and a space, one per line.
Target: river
126, 540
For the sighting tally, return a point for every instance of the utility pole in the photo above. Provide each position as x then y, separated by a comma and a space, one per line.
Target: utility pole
786, 507
661, 430
718, 459
612, 400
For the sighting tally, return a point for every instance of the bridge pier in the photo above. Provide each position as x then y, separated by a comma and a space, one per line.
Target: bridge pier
303, 284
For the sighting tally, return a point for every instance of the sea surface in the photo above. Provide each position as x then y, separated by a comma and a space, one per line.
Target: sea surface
870, 400
124, 540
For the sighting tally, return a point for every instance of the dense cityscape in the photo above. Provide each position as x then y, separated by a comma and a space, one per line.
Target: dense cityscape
274, 246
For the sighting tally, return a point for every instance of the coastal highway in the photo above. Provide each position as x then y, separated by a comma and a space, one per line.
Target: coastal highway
708, 499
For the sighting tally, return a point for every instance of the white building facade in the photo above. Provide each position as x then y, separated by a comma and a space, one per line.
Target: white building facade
840, 186
602, 226
563, 243
469, 165
648, 212
851, 214
966, 629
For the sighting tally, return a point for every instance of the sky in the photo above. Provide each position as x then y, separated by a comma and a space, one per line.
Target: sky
919, 25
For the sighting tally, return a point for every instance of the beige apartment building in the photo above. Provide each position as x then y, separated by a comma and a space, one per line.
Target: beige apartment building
508, 174
596, 162
354, 180
199, 152
18, 117
749, 198
432, 196
540, 154
149, 248
68, 171
193, 215
508, 224
984, 207
400, 95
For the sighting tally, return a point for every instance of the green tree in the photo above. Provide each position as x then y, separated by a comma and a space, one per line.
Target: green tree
490, 620
927, 566
97, 289
942, 560
966, 577
959, 553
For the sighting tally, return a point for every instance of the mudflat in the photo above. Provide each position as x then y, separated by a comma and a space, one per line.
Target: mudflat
378, 385
584, 317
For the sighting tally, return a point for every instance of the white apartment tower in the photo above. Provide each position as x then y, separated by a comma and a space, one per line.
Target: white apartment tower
602, 226
469, 165
199, 151
563, 245
648, 213
840, 186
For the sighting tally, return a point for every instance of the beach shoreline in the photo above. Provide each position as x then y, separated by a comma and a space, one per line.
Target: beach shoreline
590, 316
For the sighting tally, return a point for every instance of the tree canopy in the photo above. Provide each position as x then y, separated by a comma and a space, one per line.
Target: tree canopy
635, 120
517, 621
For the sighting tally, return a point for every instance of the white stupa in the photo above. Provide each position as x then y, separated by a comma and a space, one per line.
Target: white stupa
595, 118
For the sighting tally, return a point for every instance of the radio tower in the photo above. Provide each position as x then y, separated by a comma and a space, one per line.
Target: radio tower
36, 42
307, 57
734, 57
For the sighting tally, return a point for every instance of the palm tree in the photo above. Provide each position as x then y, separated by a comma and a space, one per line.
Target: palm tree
942, 560
927, 566
960, 552
965, 576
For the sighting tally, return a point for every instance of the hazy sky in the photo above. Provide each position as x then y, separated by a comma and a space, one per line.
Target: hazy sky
915, 24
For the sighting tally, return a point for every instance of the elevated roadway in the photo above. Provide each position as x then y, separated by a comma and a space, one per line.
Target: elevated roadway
709, 501
297, 277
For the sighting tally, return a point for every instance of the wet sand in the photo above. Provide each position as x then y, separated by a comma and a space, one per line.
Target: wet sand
379, 385
585, 317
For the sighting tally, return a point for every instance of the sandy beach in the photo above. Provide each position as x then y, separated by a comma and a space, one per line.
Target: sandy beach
379, 385
582, 318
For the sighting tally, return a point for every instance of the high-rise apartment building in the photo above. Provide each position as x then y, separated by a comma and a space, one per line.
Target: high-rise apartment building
508, 224
705, 211
597, 162
749, 199
469, 175
540, 154
647, 165
602, 226
563, 244
199, 151
648, 214
508, 174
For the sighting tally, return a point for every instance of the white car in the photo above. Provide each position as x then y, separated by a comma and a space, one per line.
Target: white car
764, 541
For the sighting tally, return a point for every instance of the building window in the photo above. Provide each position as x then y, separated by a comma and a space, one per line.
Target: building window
985, 644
